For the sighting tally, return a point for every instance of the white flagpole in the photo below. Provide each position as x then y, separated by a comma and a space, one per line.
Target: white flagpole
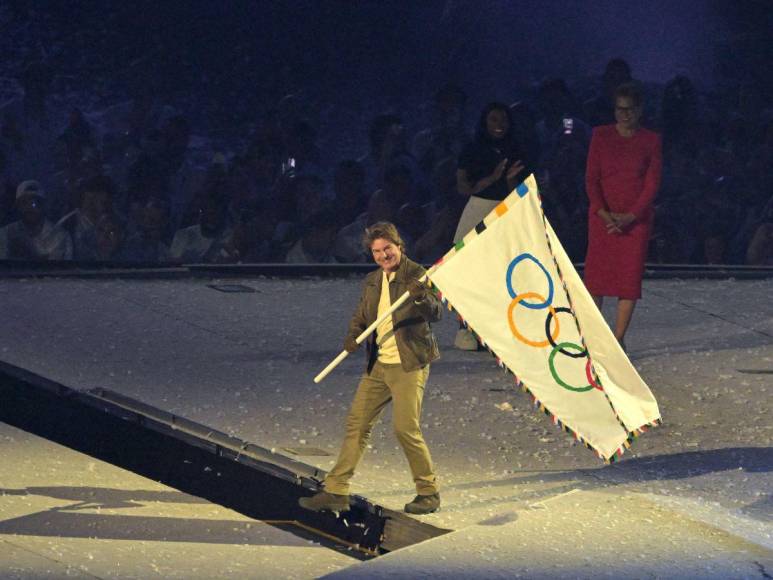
367, 332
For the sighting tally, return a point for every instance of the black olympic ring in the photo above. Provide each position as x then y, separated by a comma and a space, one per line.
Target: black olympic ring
549, 317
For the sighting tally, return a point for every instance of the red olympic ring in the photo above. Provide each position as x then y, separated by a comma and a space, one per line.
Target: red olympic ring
589, 376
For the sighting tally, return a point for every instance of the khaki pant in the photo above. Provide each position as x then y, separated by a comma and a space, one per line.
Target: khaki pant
406, 390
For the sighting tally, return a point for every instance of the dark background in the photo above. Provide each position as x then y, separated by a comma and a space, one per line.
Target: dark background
230, 59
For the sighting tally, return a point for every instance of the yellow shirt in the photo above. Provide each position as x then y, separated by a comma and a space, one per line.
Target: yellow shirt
385, 334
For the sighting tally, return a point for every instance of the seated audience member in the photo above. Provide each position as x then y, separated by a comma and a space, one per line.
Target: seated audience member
269, 136
349, 189
135, 207
165, 163
445, 212
299, 199
347, 247
303, 156
388, 146
411, 222
68, 183
183, 178
382, 206
208, 240
316, 241
760, 251
665, 246
241, 200
96, 199
33, 237
717, 218
447, 135
400, 185
145, 172
212, 178
109, 236
257, 171
251, 239
309, 196
146, 244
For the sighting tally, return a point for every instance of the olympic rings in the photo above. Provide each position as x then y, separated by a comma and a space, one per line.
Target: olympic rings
569, 349
514, 330
509, 276
551, 315
553, 372
589, 375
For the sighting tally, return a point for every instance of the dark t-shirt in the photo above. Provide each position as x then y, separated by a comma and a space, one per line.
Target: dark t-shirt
479, 159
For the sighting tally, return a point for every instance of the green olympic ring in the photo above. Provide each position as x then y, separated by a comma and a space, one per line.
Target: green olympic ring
556, 349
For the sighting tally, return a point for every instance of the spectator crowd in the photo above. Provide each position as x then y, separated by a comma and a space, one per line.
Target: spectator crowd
128, 185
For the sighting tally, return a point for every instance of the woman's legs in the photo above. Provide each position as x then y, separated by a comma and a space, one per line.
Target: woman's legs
625, 308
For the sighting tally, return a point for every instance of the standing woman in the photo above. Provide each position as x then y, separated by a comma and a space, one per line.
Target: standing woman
622, 178
489, 168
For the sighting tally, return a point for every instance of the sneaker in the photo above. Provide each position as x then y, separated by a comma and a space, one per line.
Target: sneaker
465, 340
423, 504
324, 501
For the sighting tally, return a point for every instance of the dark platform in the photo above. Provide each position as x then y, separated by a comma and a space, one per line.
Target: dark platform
198, 460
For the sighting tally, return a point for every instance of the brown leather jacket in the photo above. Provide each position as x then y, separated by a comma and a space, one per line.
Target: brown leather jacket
415, 342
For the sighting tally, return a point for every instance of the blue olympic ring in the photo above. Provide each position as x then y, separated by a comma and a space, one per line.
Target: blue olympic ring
511, 267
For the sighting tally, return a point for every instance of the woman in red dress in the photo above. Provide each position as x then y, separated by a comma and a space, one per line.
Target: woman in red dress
622, 178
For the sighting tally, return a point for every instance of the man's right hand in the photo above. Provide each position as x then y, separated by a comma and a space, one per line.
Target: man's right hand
350, 345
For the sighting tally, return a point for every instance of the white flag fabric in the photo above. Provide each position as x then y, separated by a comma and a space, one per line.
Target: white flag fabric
513, 285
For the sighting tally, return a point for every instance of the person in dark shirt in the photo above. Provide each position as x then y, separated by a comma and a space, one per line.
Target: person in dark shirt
489, 168
492, 164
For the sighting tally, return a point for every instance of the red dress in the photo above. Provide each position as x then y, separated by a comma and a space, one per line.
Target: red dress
622, 176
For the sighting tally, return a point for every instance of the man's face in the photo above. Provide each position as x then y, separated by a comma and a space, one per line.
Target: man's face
386, 254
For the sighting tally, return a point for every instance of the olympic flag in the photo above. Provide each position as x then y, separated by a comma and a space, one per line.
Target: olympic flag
513, 285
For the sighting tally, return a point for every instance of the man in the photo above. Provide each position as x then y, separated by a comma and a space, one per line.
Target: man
146, 244
399, 354
96, 199
207, 241
33, 237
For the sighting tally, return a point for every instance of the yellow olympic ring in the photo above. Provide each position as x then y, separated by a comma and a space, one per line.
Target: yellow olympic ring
514, 330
